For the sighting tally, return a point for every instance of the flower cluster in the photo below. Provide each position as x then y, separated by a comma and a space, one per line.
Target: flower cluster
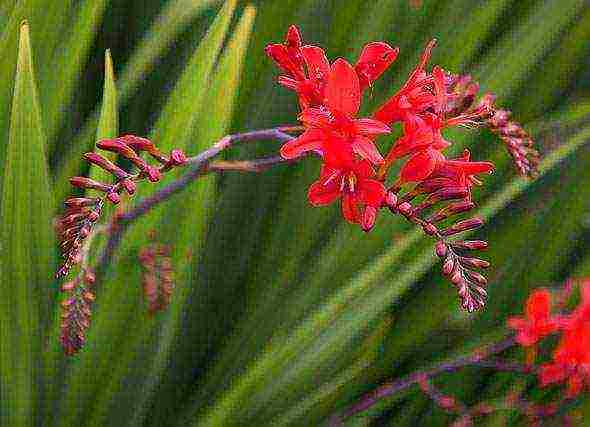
82, 213
571, 357
353, 169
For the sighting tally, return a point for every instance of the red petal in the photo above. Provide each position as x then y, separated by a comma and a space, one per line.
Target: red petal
552, 373
279, 54
364, 169
316, 117
320, 194
365, 148
474, 168
375, 58
350, 208
288, 82
420, 166
439, 88
371, 127
338, 152
318, 66
369, 218
372, 192
343, 91
293, 37
419, 70
538, 305
308, 141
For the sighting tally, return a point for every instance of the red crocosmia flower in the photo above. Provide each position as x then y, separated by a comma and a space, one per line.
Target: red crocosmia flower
413, 98
375, 58
420, 133
461, 171
306, 67
288, 56
332, 129
361, 194
293, 59
420, 166
537, 322
571, 361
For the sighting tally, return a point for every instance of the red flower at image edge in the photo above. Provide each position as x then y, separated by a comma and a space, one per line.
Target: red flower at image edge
537, 322
571, 359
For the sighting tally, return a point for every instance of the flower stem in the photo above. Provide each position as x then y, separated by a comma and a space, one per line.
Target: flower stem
477, 358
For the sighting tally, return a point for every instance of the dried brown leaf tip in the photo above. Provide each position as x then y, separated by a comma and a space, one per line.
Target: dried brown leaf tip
76, 224
76, 311
158, 276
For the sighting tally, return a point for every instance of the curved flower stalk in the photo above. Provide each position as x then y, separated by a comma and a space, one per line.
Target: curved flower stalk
77, 226
540, 321
429, 190
356, 173
77, 222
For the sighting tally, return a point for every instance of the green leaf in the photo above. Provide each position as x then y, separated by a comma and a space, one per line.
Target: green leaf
27, 257
173, 19
160, 37
108, 124
59, 85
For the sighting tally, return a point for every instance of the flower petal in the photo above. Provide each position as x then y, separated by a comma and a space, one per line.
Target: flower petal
308, 141
371, 127
318, 66
320, 194
375, 58
279, 54
372, 192
343, 91
293, 38
316, 117
538, 305
420, 166
350, 209
365, 148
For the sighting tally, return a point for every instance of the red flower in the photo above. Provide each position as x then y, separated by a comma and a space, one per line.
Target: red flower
413, 98
571, 362
420, 133
306, 68
362, 195
537, 322
571, 358
332, 129
375, 58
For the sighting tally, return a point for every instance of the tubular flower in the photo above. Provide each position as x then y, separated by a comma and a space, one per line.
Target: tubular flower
537, 321
332, 129
360, 193
306, 67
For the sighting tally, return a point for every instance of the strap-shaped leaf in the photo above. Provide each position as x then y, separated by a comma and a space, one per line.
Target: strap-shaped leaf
108, 124
27, 254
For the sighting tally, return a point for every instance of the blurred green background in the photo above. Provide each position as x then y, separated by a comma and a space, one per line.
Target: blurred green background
283, 313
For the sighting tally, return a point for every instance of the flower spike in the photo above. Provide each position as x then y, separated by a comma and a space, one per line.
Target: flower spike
82, 213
